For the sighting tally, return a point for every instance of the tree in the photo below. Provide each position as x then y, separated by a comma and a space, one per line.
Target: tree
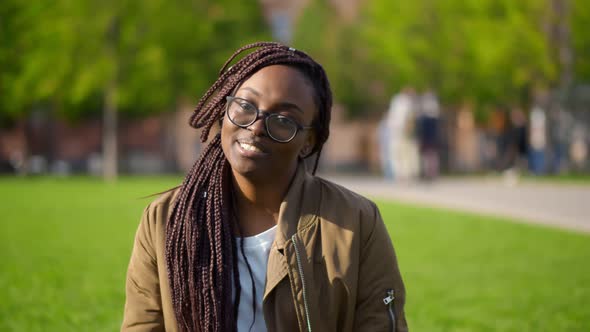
333, 40
127, 57
485, 52
580, 16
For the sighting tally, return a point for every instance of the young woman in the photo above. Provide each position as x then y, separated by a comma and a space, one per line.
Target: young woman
251, 241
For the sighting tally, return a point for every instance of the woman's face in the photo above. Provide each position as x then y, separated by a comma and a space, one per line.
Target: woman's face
250, 151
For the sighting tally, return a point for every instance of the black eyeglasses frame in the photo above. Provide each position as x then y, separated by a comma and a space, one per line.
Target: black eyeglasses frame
265, 116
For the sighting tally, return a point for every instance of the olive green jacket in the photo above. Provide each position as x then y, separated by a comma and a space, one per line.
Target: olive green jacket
332, 266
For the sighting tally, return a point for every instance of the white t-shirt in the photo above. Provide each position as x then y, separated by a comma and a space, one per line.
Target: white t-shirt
256, 249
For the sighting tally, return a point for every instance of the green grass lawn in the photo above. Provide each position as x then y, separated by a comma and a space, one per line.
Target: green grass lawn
65, 245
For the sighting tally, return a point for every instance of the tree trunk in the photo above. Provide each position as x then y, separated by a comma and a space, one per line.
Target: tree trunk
109, 133
109, 129
561, 39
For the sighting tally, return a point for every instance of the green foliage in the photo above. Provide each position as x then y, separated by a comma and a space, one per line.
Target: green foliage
581, 40
485, 52
65, 257
333, 42
67, 53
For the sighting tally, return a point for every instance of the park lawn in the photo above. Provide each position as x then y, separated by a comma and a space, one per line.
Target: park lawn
65, 245
465, 272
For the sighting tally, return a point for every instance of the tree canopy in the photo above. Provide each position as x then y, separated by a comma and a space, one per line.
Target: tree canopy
485, 52
67, 53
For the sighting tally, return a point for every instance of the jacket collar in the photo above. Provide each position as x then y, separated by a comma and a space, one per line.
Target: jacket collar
298, 210
299, 207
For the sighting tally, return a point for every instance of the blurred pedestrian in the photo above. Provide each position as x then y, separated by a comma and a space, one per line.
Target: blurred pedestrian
537, 140
579, 149
465, 143
560, 130
515, 156
428, 134
404, 147
498, 128
384, 141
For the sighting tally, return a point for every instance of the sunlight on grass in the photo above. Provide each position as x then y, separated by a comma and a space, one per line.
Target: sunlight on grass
66, 243
465, 272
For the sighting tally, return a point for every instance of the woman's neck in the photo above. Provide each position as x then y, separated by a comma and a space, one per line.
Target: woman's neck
258, 202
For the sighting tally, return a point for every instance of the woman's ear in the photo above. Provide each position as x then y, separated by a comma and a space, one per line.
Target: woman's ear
308, 146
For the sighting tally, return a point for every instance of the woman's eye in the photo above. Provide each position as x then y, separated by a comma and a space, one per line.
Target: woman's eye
283, 120
248, 107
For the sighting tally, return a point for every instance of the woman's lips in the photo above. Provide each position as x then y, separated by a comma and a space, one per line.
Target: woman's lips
250, 148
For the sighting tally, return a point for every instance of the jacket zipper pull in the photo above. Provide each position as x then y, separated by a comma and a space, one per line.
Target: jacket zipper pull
389, 298
388, 301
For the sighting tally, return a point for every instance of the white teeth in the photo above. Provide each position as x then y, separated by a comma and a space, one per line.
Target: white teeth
249, 147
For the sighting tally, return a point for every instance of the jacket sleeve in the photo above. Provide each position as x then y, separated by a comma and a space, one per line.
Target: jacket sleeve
143, 305
378, 274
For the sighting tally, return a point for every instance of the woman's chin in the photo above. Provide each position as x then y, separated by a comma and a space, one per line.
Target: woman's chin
253, 173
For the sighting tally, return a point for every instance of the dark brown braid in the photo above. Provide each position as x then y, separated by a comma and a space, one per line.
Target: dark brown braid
201, 250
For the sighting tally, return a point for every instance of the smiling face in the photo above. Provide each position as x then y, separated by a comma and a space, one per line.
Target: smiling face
250, 151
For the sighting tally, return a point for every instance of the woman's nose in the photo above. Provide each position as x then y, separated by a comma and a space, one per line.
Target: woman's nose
258, 127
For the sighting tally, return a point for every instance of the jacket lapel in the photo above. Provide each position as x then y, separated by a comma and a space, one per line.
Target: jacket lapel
298, 210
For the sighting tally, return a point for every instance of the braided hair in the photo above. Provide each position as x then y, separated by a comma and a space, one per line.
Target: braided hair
201, 249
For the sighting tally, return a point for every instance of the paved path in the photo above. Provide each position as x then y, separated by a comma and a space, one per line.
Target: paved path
560, 205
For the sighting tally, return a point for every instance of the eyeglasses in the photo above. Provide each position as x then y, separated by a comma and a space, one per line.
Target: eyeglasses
278, 127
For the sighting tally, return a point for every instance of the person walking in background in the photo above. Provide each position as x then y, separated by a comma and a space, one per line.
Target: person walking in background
519, 138
516, 147
560, 128
428, 124
404, 148
578, 149
384, 131
537, 140
502, 128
